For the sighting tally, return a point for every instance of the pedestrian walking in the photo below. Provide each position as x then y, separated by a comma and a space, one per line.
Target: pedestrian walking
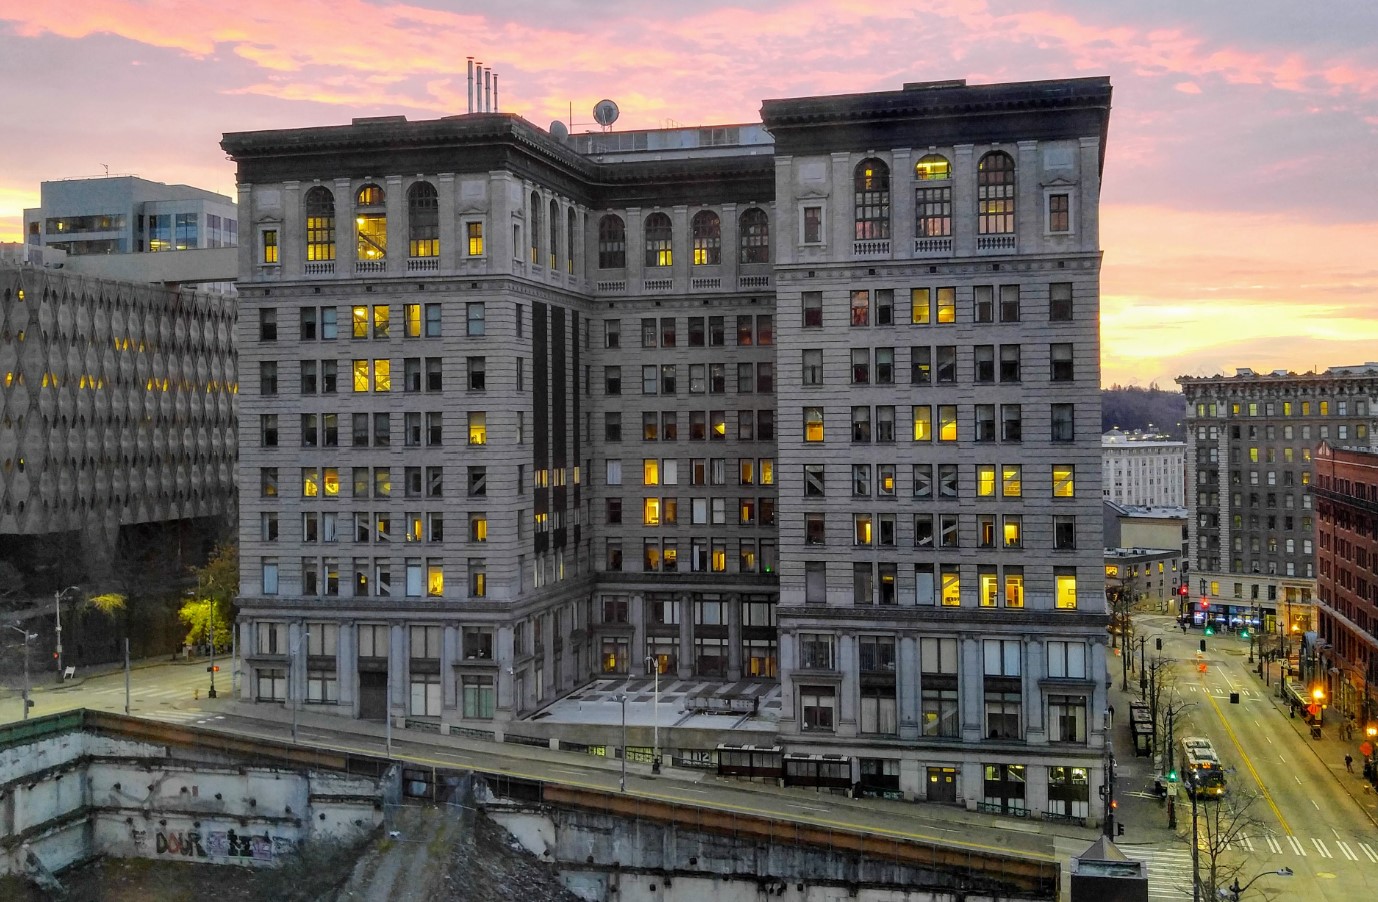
1349, 763
1111, 711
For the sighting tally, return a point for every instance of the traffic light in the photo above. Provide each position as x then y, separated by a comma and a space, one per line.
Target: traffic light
1210, 631
1183, 590
1119, 829
1172, 776
214, 668
1203, 641
1159, 643
1243, 632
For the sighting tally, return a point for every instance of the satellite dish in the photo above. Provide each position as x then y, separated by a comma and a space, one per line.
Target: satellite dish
559, 131
605, 113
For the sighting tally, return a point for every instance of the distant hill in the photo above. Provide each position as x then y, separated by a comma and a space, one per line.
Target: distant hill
1128, 408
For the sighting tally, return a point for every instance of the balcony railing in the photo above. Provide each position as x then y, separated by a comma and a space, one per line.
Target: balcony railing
370, 266
932, 247
995, 244
423, 264
753, 282
658, 285
877, 247
319, 268
706, 284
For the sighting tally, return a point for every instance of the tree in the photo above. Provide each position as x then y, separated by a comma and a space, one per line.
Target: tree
1220, 824
1120, 594
212, 599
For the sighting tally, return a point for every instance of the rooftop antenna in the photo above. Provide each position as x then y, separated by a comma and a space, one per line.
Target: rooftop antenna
107, 169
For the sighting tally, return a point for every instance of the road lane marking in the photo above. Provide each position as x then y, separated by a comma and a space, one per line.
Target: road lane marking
1248, 843
1282, 759
1273, 845
1297, 846
1314, 805
1262, 788
1344, 847
1298, 779
1368, 850
1320, 847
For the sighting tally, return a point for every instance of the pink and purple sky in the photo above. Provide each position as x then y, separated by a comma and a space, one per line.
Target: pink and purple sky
1239, 220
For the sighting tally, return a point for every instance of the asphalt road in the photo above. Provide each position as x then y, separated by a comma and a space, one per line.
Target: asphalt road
1302, 817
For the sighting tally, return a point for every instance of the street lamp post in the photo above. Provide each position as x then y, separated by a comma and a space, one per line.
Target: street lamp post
210, 603
57, 623
655, 719
27, 637
622, 783
1235, 889
1195, 841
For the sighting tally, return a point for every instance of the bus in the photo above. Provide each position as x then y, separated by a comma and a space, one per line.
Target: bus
1202, 771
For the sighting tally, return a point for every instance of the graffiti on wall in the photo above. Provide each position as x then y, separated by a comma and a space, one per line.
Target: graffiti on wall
219, 844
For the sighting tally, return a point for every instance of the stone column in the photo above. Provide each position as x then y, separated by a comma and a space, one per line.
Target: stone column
908, 709
347, 667
686, 635
847, 665
964, 201
902, 205
292, 241
453, 245
734, 636
1035, 667
449, 654
346, 235
395, 204
398, 671
971, 681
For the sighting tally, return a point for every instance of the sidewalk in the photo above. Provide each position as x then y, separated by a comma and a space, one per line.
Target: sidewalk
1143, 815
1331, 748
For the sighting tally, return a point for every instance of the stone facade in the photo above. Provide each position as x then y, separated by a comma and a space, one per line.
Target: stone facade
677, 333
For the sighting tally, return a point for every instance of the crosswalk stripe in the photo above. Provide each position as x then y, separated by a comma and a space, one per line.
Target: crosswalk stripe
1320, 847
1344, 847
1248, 843
1273, 844
1367, 850
1297, 846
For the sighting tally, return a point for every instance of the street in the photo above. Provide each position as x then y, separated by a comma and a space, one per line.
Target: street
1304, 818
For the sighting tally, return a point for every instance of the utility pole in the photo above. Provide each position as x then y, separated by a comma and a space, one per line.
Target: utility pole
27, 637
57, 618
622, 784
655, 720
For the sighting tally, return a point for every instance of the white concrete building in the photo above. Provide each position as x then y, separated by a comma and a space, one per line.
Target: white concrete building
1143, 470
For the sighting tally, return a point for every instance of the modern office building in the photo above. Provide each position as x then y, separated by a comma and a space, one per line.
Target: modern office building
814, 400
1346, 644
122, 228
1250, 441
1143, 470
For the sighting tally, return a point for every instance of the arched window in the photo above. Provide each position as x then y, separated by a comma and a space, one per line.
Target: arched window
535, 229
371, 222
658, 236
754, 229
423, 220
569, 241
871, 199
995, 194
707, 229
320, 224
933, 167
933, 201
555, 235
612, 242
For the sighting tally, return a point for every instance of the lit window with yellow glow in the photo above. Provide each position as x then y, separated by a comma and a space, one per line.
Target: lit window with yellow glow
719, 559
813, 424
985, 480
1065, 591
650, 471
478, 527
359, 321
947, 305
920, 306
415, 527
990, 588
1012, 481
767, 471
923, 423
382, 320
718, 426
1064, 481
411, 316
382, 375
1013, 531
361, 375
373, 237
862, 532
650, 512
478, 427
310, 482
947, 422
331, 481
435, 579
382, 482
1014, 590
658, 239
475, 233
423, 220
951, 587
270, 246
320, 224
932, 168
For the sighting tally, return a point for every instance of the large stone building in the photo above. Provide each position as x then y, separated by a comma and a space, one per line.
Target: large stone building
1143, 470
815, 401
1250, 440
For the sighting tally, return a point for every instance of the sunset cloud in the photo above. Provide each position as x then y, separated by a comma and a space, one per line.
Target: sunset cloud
1239, 145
